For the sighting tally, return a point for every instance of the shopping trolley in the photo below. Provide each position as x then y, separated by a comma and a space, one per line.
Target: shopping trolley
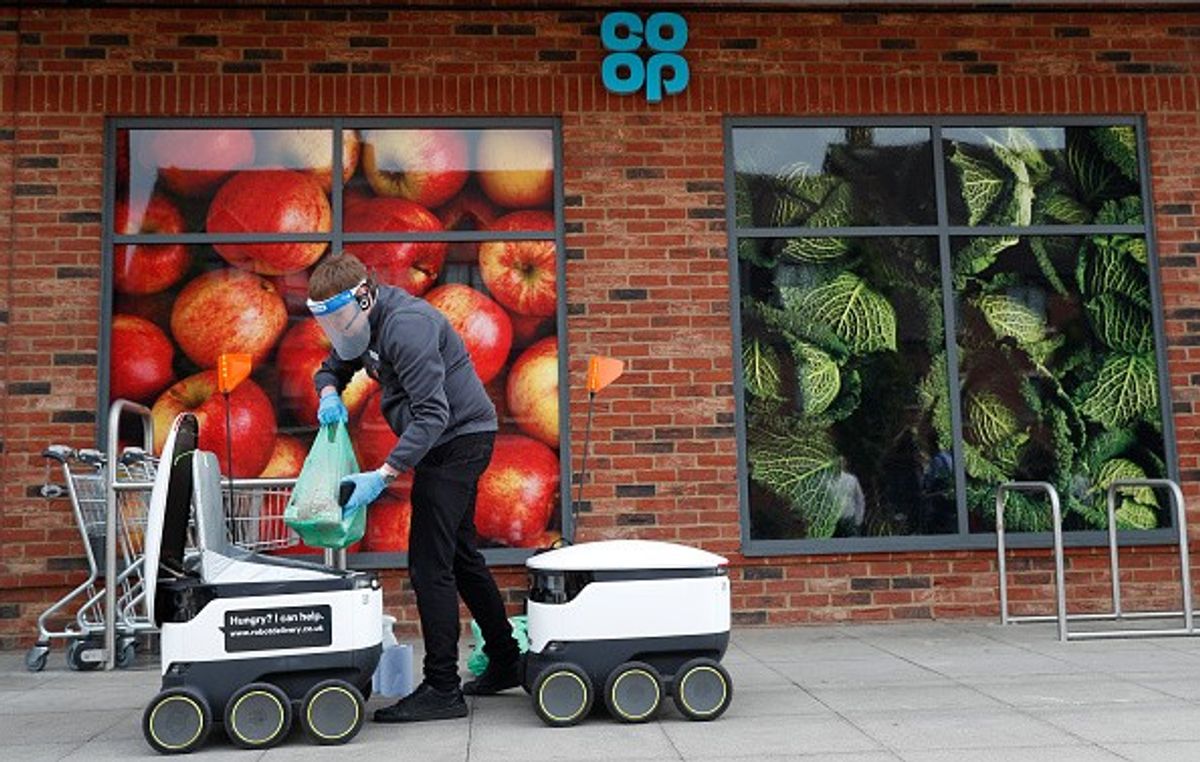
84, 481
254, 520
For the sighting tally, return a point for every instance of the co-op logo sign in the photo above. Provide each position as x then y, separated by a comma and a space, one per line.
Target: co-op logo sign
663, 71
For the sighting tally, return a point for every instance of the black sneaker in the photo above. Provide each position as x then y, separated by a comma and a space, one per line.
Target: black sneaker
494, 679
425, 703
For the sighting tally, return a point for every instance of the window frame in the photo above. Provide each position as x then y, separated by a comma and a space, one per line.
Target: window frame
944, 232
336, 238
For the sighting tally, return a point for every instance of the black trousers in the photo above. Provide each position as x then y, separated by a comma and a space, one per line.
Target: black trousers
444, 563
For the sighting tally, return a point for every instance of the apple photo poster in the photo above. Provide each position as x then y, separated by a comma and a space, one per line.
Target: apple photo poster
178, 304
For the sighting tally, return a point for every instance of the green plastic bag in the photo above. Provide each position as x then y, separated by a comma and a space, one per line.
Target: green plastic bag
477, 662
313, 509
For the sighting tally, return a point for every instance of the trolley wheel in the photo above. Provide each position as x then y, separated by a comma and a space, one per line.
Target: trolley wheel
332, 712
75, 653
177, 721
563, 694
126, 654
633, 692
702, 690
258, 716
35, 658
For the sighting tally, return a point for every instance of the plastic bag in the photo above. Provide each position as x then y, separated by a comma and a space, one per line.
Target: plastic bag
313, 509
477, 662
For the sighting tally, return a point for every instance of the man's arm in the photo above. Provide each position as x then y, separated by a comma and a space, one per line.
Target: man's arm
410, 343
334, 373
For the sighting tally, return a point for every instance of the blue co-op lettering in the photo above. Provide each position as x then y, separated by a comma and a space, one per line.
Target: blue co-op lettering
625, 71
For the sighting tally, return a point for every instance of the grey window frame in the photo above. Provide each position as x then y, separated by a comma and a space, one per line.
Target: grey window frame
336, 238
944, 232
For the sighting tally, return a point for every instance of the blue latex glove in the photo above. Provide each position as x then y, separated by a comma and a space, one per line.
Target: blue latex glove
368, 485
332, 410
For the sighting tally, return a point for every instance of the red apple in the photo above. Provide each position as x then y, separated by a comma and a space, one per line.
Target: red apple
522, 275
153, 307
373, 438
479, 322
388, 522
517, 491
139, 360
309, 151
252, 421
304, 347
529, 328
194, 162
516, 167
496, 393
293, 287
412, 266
469, 210
425, 166
142, 268
270, 201
228, 310
532, 393
287, 458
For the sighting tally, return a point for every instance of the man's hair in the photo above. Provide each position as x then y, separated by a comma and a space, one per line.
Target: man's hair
334, 275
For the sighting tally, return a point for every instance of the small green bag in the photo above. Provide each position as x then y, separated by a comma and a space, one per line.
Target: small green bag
313, 509
477, 662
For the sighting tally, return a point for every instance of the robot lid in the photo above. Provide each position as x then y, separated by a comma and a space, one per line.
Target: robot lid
614, 555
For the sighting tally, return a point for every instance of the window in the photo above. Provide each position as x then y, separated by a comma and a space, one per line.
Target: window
928, 308
215, 225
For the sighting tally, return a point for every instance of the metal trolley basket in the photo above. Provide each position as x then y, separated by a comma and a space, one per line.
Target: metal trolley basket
92, 480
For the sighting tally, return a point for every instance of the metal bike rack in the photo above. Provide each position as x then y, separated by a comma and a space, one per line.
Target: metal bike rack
1059, 584
1060, 616
1180, 512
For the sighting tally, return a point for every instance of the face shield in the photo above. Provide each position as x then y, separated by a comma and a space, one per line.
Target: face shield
343, 317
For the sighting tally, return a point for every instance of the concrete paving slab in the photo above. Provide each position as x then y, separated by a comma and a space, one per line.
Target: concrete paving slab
990, 728
918, 692
886, 698
1167, 751
1151, 723
736, 738
1023, 753
1036, 691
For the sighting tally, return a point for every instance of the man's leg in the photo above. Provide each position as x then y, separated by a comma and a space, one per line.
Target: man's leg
438, 499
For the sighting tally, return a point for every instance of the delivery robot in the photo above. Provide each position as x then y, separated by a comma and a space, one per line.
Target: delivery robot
635, 619
248, 641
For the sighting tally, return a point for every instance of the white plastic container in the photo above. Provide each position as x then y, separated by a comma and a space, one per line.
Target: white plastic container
393, 677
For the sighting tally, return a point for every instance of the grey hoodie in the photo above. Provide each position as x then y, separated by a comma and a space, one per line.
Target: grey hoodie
431, 393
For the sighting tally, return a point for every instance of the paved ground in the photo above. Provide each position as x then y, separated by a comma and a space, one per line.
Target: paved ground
926, 692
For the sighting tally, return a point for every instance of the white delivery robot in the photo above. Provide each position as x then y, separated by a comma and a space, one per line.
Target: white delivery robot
248, 641
636, 619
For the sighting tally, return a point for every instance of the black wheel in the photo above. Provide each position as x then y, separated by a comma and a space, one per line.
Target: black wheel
126, 654
563, 694
633, 692
702, 690
332, 712
177, 721
75, 653
258, 716
35, 658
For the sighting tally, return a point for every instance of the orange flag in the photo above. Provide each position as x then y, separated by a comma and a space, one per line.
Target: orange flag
602, 371
232, 369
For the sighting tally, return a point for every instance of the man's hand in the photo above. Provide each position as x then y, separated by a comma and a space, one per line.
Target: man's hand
367, 486
332, 409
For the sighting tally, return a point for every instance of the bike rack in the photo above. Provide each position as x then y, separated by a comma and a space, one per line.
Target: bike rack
1116, 614
1059, 585
1178, 507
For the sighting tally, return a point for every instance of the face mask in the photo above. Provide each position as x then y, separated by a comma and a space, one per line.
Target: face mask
343, 317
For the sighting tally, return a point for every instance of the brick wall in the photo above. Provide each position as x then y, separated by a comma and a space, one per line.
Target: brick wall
647, 270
